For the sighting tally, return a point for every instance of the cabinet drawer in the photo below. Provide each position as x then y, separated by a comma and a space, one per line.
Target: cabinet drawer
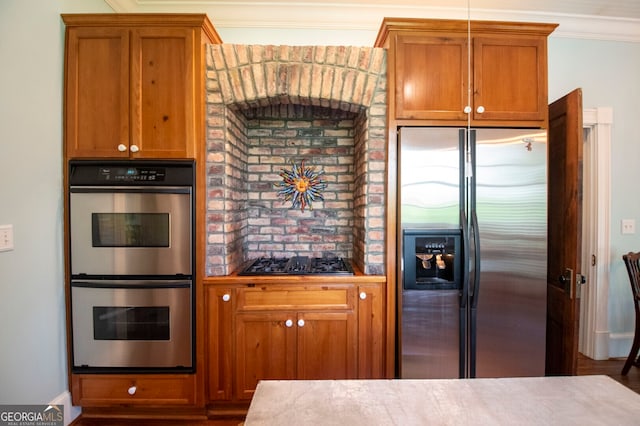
95, 390
296, 297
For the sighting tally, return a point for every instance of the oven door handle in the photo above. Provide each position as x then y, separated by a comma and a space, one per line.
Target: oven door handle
130, 189
131, 283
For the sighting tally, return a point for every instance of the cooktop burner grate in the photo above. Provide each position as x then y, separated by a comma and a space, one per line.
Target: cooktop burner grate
298, 265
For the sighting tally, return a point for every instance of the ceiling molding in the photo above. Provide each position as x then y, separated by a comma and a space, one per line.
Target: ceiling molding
335, 16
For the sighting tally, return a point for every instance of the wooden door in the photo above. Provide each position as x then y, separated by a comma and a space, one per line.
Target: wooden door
265, 349
431, 74
371, 353
564, 233
327, 345
510, 78
97, 92
163, 92
219, 331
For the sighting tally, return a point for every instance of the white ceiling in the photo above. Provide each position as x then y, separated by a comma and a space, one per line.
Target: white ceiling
600, 19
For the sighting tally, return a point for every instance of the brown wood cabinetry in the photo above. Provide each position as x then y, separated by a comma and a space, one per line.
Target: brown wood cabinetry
443, 70
294, 332
91, 390
134, 88
134, 85
291, 330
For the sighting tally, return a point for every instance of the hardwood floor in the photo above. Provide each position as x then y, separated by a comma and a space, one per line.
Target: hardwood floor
586, 366
612, 368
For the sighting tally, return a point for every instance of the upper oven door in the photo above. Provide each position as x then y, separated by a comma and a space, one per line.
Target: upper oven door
130, 230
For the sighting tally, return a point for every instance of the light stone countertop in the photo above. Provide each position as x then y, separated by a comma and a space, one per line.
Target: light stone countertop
579, 400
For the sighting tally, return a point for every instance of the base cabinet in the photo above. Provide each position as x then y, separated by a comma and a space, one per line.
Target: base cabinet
286, 332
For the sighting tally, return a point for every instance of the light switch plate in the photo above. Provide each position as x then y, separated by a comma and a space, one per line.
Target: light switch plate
6, 237
628, 226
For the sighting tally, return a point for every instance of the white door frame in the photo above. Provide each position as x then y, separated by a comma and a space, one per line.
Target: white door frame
594, 321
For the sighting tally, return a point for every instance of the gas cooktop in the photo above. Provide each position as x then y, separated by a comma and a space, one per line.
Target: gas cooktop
298, 265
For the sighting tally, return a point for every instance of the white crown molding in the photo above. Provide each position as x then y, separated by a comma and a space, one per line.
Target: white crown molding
368, 17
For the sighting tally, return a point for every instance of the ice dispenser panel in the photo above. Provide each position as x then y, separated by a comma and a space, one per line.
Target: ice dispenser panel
431, 259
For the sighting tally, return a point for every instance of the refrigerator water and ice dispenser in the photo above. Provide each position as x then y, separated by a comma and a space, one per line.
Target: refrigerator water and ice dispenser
431, 259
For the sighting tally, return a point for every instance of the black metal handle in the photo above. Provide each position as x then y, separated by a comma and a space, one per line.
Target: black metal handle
476, 259
465, 270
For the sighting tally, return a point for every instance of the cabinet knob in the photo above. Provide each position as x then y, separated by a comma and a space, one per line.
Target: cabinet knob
122, 147
363, 295
480, 109
288, 323
300, 322
467, 109
226, 297
134, 148
132, 390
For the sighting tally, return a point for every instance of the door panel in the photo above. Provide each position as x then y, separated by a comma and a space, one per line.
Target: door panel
265, 348
564, 239
510, 178
432, 77
326, 345
97, 92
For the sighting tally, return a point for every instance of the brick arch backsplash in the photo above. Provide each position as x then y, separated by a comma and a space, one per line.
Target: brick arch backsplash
269, 107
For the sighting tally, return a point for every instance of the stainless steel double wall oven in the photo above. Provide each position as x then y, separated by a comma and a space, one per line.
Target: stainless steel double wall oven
132, 263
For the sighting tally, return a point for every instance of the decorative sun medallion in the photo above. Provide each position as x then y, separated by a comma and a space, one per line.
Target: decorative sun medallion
302, 185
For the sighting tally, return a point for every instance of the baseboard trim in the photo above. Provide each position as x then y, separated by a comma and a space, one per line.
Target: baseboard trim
70, 412
620, 344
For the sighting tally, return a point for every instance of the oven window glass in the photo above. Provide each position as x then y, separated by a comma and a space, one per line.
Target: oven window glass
131, 323
130, 229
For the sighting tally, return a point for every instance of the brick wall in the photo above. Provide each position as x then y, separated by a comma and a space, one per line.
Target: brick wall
272, 106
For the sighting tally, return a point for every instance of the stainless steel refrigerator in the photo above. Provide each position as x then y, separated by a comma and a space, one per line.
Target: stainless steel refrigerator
473, 214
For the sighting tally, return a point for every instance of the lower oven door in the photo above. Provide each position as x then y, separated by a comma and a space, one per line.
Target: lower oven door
132, 325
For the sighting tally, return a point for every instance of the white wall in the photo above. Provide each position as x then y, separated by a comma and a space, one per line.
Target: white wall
33, 355
32, 313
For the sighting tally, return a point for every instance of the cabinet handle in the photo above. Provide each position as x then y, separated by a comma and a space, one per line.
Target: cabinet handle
480, 109
134, 148
122, 147
300, 322
132, 390
467, 109
363, 295
226, 297
288, 323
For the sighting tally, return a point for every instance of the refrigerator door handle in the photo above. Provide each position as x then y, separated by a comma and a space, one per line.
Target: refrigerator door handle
476, 261
464, 291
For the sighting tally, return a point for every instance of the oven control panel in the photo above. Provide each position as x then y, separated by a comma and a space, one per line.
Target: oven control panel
135, 173
129, 174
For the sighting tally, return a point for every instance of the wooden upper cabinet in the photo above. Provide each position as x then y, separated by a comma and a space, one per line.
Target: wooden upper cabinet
437, 68
431, 77
134, 85
510, 79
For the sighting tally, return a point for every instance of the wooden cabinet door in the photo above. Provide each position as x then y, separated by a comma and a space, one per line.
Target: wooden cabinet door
510, 80
265, 349
97, 92
431, 77
162, 95
327, 345
371, 332
219, 304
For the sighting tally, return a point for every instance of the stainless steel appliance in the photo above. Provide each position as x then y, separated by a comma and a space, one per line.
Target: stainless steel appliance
131, 218
297, 265
131, 261
131, 324
489, 187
